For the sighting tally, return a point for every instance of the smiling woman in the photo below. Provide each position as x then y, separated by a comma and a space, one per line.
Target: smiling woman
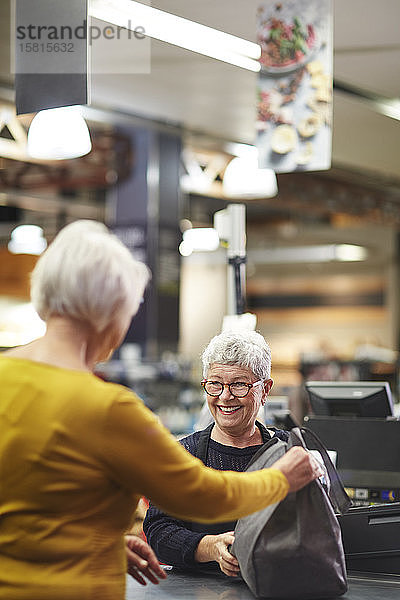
236, 370
235, 405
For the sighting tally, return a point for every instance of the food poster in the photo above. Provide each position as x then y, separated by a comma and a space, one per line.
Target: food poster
294, 116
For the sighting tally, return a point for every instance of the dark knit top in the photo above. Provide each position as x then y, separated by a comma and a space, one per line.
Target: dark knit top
175, 541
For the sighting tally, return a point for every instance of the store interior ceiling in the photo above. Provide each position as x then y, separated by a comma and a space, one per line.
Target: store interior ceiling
212, 102
212, 97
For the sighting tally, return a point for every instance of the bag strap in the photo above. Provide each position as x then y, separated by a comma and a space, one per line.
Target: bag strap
201, 449
337, 494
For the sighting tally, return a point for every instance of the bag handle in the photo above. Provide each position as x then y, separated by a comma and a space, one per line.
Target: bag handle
201, 449
337, 494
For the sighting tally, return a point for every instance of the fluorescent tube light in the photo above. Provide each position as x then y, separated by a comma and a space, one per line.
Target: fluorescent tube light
389, 108
318, 253
178, 31
350, 252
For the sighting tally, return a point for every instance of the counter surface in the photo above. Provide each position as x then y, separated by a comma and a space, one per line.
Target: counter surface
180, 586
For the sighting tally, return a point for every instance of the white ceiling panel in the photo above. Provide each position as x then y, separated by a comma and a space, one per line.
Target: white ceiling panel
374, 70
364, 139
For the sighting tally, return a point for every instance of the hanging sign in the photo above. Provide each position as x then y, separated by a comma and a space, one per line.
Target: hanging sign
294, 116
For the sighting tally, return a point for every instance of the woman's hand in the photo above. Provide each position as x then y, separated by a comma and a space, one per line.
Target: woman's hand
299, 467
215, 547
142, 562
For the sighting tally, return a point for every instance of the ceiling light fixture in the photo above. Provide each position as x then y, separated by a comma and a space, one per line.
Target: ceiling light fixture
203, 239
318, 253
27, 239
243, 178
389, 107
178, 31
59, 134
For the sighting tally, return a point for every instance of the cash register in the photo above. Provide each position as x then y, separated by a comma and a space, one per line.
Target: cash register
356, 421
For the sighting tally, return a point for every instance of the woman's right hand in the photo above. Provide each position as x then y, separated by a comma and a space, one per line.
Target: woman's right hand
142, 562
299, 467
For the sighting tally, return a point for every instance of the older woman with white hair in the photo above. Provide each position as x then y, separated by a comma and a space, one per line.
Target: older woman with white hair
76, 452
237, 381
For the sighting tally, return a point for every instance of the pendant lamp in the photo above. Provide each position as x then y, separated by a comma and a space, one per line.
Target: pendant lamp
59, 134
243, 179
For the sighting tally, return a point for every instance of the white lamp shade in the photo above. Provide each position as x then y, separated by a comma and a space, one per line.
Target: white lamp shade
27, 239
203, 239
243, 179
59, 133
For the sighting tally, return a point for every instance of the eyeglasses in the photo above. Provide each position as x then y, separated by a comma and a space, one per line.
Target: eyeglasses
239, 389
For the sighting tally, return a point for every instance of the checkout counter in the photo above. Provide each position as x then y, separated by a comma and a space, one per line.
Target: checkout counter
179, 586
368, 461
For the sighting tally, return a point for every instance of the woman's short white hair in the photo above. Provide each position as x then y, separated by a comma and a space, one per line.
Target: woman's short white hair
241, 348
88, 274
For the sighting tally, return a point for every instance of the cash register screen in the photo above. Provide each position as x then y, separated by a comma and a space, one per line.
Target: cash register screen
350, 398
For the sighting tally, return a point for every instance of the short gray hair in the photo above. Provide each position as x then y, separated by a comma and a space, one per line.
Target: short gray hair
88, 274
241, 348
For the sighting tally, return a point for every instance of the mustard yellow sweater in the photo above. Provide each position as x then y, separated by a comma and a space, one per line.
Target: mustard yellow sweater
76, 453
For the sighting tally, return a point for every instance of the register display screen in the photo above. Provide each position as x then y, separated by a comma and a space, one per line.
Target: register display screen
350, 399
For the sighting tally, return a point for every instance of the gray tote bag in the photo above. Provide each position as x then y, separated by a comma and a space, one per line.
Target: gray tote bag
293, 549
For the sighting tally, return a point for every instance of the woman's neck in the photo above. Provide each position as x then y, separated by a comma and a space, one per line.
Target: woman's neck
249, 437
65, 344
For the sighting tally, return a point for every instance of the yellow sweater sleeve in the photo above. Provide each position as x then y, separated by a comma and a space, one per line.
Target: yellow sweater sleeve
143, 457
